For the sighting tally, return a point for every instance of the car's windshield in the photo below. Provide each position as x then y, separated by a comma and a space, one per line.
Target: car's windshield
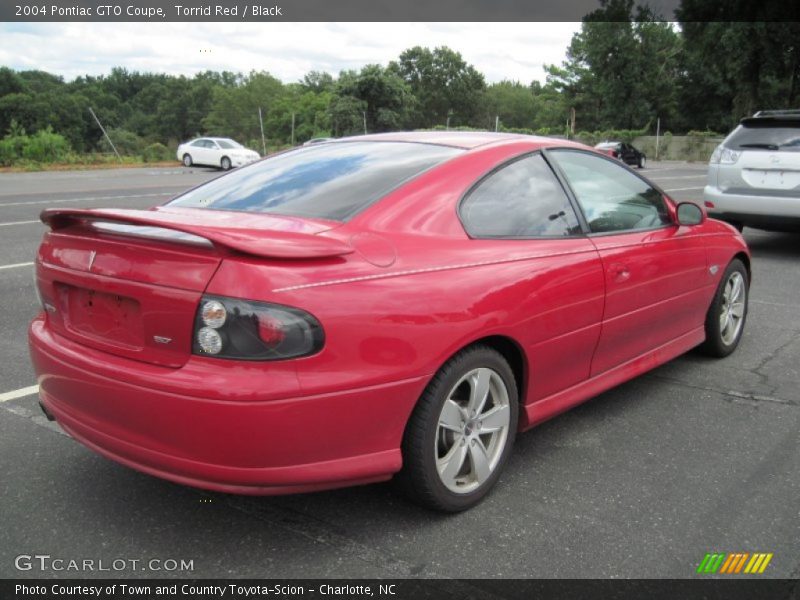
326, 181
765, 135
228, 144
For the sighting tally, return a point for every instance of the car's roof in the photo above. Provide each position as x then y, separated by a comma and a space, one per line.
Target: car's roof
458, 139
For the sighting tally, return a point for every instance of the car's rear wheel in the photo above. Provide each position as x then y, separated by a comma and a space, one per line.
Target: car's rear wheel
187, 160
225, 163
461, 432
728, 312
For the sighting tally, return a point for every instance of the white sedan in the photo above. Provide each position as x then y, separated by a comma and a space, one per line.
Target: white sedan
215, 152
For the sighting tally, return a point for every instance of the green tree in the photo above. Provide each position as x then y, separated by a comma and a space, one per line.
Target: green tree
311, 116
621, 68
318, 82
234, 109
384, 98
513, 102
443, 84
10, 82
346, 114
738, 58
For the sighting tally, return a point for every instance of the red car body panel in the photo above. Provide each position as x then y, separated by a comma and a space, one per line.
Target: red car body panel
398, 289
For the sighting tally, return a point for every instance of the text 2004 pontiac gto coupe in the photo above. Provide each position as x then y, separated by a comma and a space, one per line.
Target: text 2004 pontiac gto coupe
388, 305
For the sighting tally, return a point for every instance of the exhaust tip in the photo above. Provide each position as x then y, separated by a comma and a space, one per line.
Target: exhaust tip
46, 412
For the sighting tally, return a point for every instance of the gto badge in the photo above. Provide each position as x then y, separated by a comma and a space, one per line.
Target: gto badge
161, 340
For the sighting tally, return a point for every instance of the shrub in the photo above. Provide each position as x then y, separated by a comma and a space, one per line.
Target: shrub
156, 152
700, 144
126, 142
46, 146
11, 149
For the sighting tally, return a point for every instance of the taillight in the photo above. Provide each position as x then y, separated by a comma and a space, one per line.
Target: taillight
250, 330
724, 156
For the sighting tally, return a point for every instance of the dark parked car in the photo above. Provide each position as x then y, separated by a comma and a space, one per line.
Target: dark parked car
624, 152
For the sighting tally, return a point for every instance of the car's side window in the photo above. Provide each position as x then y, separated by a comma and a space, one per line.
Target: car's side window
523, 199
612, 198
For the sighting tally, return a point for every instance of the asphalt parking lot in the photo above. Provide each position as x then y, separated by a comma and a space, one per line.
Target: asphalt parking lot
697, 456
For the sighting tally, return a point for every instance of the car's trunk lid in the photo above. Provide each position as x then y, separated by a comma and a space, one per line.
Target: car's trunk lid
128, 282
767, 170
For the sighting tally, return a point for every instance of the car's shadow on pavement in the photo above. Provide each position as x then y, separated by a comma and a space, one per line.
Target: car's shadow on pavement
773, 244
614, 471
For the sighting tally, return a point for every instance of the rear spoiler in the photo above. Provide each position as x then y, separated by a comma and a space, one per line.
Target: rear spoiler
268, 243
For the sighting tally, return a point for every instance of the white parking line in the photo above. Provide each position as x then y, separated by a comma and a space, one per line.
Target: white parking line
19, 223
84, 199
667, 178
684, 189
27, 264
20, 393
678, 168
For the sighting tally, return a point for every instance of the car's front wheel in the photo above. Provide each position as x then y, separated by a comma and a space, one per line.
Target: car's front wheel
225, 163
461, 432
642, 161
728, 312
187, 160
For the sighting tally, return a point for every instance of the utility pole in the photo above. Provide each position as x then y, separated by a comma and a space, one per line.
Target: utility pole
263, 139
658, 134
103, 129
364, 114
292, 129
496, 122
449, 114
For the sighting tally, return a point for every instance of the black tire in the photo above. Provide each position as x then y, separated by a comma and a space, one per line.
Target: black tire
187, 160
225, 163
642, 161
717, 344
423, 440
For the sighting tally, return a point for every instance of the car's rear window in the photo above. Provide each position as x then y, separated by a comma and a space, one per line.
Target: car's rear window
766, 135
326, 181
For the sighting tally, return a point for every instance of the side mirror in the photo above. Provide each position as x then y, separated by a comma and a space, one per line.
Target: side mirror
689, 213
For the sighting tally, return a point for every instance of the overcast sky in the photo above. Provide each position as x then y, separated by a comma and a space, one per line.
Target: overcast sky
514, 51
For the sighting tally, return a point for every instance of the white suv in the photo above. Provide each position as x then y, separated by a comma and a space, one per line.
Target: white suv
754, 175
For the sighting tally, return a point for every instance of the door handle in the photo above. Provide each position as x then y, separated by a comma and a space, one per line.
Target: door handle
619, 272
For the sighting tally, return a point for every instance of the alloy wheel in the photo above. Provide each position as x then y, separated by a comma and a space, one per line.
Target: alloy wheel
472, 431
732, 308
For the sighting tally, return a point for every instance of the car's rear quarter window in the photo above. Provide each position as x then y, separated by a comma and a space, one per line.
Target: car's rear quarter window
329, 181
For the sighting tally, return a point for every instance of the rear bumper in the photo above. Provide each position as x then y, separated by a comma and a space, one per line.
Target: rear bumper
256, 447
766, 212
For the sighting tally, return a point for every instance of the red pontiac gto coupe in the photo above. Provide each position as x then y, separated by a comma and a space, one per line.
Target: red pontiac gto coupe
386, 305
